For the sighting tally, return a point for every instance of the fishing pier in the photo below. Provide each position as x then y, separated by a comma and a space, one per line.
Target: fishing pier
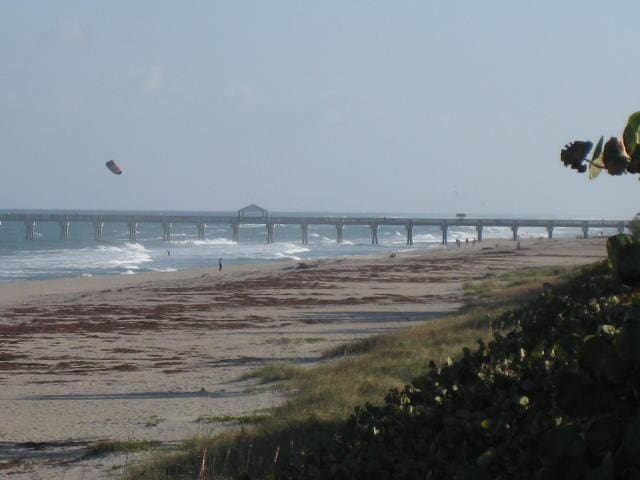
253, 215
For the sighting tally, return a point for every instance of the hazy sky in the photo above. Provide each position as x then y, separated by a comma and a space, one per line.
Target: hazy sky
396, 106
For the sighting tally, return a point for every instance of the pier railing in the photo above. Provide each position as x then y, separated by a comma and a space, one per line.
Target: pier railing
64, 220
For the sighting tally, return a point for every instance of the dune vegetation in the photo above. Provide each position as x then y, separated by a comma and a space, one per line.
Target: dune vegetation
304, 436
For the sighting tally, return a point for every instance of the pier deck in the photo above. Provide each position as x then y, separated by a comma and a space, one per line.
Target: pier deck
64, 220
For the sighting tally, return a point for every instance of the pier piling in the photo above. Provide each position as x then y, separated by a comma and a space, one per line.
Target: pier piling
270, 232
133, 232
64, 229
235, 232
514, 230
409, 233
98, 227
339, 231
201, 227
166, 231
63, 220
30, 226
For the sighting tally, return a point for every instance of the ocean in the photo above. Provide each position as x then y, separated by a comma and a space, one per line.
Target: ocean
49, 257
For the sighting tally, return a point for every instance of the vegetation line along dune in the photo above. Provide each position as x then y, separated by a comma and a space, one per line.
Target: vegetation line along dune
321, 398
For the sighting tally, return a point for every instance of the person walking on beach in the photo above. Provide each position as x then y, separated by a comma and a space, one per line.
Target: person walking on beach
220, 264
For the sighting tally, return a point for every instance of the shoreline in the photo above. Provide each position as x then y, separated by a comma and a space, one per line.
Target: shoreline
19, 291
143, 356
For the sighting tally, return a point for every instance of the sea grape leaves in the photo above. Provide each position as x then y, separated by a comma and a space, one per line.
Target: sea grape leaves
596, 166
614, 157
574, 154
631, 134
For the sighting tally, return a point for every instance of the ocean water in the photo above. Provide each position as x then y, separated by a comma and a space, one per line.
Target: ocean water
49, 257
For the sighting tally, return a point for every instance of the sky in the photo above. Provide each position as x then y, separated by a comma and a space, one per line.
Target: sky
343, 106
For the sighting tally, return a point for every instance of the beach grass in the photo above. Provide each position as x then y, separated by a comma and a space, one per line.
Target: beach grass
322, 396
153, 421
125, 446
507, 288
295, 340
248, 419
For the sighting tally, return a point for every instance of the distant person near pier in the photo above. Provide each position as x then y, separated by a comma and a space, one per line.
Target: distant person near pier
219, 264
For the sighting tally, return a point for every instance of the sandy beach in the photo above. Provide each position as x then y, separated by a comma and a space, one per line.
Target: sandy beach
144, 356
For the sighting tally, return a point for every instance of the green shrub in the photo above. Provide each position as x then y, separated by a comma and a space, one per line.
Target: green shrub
624, 258
557, 398
634, 227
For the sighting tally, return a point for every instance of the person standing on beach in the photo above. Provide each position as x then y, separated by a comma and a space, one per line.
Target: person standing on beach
220, 264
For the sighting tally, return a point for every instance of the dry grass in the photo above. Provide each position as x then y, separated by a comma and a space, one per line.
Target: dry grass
248, 419
329, 391
511, 287
107, 447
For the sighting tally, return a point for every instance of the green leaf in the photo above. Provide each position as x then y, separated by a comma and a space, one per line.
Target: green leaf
614, 367
486, 458
627, 343
630, 448
615, 246
563, 441
603, 436
597, 165
473, 473
608, 329
615, 157
624, 258
597, 153
631, 135
591, 351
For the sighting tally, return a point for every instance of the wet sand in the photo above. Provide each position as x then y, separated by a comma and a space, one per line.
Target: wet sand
143, 356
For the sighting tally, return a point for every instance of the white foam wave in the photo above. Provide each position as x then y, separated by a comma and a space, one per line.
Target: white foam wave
149, 239
73, 262
208, 241
128, 256
461, 235
293, 250
425, 237
292, 257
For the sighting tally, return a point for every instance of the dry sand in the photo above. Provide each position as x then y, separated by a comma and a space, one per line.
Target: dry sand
144, 356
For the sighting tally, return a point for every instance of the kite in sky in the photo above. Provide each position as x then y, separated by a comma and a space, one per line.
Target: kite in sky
111, 165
